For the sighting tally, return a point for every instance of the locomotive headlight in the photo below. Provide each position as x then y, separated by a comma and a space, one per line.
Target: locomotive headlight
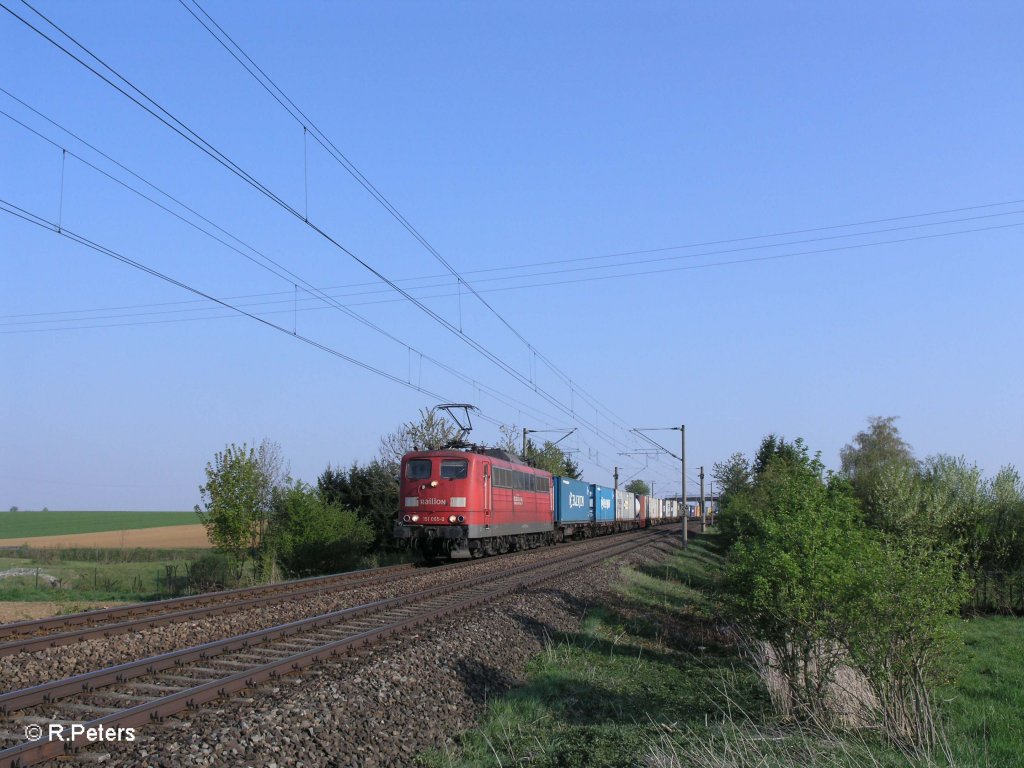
406, 518
462, 519
433, 483
415, 518
451, 518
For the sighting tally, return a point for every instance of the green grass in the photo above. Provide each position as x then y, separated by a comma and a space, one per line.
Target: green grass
15, 525
985, 709
652, 679
96, 574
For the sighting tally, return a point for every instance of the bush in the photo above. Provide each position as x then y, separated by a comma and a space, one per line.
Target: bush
311, 536
793, 572
210, 573
819, 593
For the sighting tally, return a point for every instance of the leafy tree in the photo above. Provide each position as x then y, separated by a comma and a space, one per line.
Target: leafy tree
237, 499
732, 477
874, 455
430, 433
371, 491
13, 509
775, 448
570, 468
1002, 547
638, 486
312, 536
551, 458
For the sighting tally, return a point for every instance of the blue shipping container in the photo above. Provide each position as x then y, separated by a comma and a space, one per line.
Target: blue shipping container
574, 501
604, 503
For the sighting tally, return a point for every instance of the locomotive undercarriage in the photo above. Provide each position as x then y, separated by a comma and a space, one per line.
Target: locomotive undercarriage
454, 542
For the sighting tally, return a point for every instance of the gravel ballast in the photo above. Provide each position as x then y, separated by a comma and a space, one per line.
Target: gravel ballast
411, 693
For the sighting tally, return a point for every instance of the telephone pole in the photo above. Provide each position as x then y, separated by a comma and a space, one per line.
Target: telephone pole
703, 510
682, 462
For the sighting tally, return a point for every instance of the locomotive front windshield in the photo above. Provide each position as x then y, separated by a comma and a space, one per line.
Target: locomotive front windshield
454, 469
417, 469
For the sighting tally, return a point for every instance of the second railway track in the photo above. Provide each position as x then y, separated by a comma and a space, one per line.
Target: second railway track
143, 691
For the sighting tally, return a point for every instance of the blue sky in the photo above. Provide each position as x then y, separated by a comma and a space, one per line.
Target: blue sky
511, 135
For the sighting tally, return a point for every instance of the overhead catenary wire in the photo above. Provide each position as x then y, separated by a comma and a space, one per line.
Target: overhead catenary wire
152, 107
308, 126
285, 273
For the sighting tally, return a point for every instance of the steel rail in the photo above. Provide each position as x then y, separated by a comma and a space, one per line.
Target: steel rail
508, 581
25, 645
33, 626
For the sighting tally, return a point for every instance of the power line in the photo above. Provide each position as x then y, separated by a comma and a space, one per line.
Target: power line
179, 127
733, 262
309, 126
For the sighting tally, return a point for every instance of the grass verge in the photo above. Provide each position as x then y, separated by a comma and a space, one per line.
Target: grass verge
653, 679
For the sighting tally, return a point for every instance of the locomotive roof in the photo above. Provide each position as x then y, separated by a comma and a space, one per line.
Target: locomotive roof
494, 453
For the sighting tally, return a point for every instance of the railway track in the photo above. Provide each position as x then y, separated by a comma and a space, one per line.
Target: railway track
148, 690
54, 631
33, 635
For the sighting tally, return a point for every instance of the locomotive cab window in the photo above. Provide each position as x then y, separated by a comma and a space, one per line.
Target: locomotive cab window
454, 469
417, 469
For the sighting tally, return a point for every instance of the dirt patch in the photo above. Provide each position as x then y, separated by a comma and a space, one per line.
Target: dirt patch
166, 537
22, 611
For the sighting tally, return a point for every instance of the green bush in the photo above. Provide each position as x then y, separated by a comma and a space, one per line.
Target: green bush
310, 536
210, 573
794, 572
818, 591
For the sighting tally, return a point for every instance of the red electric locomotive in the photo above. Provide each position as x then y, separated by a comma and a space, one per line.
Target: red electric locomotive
472, 503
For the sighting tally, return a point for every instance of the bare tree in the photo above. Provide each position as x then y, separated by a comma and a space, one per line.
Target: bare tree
430, 433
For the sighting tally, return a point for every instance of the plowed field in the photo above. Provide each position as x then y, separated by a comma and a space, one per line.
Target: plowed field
167, 537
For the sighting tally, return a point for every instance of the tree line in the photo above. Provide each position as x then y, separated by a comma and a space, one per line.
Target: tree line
264, 523
861, 575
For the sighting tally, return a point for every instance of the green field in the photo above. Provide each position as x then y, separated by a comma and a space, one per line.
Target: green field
27, 524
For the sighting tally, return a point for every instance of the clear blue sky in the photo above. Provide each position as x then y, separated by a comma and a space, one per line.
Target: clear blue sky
512, 134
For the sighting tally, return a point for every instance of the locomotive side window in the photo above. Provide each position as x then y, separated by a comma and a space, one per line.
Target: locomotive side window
502, 478
519, 481
454, 469
542, 484
417, 469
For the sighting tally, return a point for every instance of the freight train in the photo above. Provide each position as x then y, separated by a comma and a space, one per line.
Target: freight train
465, 504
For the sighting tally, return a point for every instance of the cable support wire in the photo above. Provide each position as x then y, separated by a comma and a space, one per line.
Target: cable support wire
288, 274
152, 107
309, 126
317, 293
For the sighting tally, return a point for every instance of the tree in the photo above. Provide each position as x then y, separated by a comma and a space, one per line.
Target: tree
311, 535
430, 433
551, 458
238, 498
874, 455
13, 509
371, 491
638, 486
774, 448
510, 439
732, 477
